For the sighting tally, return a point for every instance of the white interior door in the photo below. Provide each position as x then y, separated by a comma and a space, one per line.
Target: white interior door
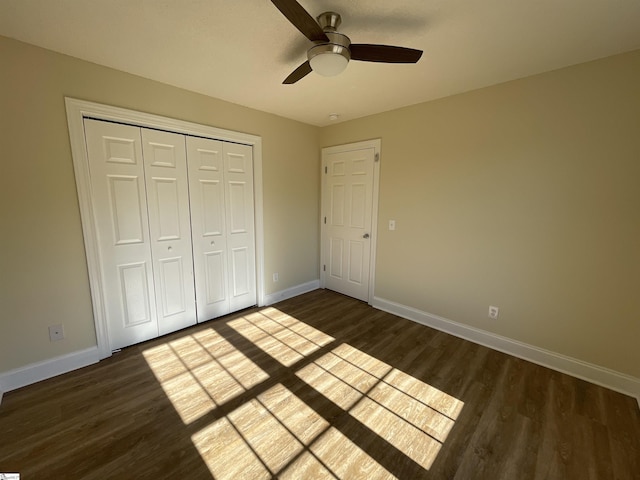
165, 161
120, 210
348, 221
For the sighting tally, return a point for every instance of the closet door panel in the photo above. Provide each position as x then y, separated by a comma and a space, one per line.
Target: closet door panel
215, 282
238, 176
211, 193
240, 277
134, 285
170, 228
120, 213
207, 199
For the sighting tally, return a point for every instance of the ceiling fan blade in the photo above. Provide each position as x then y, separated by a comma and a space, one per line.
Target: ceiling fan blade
383, 53
301, 19
299, 73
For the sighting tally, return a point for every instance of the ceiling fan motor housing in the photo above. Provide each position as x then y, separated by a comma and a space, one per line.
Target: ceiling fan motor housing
330, 58
338, 43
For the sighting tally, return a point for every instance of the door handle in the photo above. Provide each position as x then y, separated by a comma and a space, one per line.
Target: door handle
366, 235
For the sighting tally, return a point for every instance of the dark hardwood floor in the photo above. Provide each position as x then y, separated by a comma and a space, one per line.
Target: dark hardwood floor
318, 386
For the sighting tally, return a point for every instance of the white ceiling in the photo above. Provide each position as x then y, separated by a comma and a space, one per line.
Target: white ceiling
241, 50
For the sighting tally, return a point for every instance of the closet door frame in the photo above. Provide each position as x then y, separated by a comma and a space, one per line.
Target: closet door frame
77, 111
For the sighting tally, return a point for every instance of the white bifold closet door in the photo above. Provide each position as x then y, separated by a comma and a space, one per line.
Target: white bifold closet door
222, 217
151, 239
141, 206
165, 165
120, 209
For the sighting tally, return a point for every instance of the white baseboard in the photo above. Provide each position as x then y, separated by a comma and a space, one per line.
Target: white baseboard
291, 292
577, 368
35, 372
602, 376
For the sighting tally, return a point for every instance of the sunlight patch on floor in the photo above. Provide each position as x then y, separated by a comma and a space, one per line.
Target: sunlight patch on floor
278, 434
202, 371
275, 428
334, 455
274, 432
281, 336
339, 380
409, 414
299, 418
227, 454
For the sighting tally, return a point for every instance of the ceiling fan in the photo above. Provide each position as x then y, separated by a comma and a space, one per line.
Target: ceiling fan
332, 50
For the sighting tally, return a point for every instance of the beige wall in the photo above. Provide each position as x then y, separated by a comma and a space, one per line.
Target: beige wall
524, 195
43, 266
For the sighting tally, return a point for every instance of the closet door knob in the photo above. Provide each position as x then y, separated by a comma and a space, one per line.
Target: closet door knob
366, 235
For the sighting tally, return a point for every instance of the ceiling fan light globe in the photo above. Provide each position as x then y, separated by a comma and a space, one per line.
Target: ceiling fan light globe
329, 64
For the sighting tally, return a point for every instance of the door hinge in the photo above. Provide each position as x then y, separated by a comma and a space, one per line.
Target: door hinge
325, 170
325, 220
324, 268
377, 157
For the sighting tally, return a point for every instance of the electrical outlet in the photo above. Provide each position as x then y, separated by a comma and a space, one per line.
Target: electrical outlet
56, 332
275, 277
493, 312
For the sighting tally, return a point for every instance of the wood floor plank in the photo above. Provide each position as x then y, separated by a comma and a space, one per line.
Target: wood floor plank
317, 386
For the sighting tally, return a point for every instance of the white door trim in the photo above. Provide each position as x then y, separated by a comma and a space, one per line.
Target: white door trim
375, 144
77, 111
